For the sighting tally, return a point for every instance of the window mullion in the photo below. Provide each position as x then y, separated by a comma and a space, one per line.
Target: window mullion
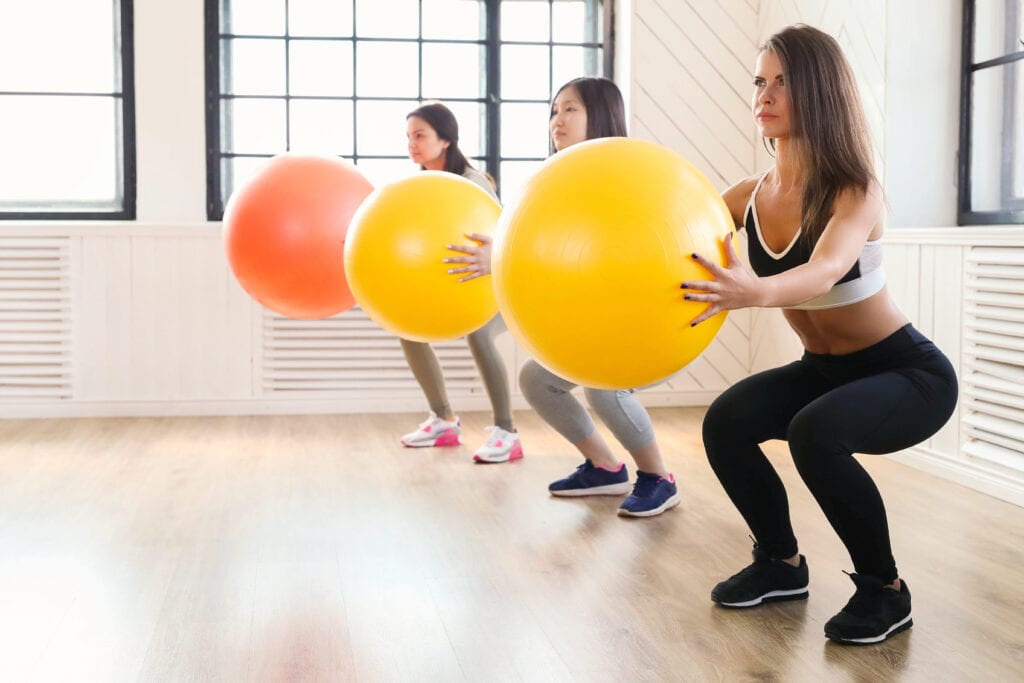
492, 9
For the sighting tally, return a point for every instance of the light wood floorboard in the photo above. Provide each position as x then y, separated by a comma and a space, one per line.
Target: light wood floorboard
315, 548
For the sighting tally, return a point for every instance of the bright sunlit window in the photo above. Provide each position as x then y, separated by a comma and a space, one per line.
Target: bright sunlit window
66, 110
339, 76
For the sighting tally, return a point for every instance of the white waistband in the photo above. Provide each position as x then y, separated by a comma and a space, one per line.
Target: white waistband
846, 293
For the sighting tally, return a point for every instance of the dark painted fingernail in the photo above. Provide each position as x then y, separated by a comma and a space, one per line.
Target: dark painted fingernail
694, 256
693, 324
683, 286
686, 297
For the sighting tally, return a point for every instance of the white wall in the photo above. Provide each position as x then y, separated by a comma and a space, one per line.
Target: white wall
922, 89
170, 111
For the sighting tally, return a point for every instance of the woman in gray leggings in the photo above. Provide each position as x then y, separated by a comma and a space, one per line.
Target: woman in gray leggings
584, 109
433, 136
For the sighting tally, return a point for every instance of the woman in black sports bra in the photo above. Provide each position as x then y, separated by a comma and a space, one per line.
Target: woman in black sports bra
868, 382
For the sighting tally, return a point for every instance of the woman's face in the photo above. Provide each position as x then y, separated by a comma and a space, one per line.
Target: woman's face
770, 102
568, 119
425, 147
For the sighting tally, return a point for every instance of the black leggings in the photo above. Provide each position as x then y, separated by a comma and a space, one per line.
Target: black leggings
882, 399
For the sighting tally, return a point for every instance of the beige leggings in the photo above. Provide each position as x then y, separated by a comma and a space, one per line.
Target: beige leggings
423, 362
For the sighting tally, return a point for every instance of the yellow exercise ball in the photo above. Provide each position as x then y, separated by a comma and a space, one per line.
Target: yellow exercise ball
394, 251
587, 265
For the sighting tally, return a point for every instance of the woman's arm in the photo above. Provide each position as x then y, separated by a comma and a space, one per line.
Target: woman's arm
736, 286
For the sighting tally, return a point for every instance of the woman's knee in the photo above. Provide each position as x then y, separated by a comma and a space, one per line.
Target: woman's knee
720, 419
624, 415
604, 401
812, 441
537, 382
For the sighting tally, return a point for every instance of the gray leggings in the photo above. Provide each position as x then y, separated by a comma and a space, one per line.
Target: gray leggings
550, 396
423, 362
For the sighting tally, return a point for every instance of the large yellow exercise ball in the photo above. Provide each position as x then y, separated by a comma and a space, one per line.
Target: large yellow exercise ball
587, 265
394, 251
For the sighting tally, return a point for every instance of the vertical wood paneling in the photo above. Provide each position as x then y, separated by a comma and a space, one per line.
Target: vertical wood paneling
946, 330
902, 264
105, 326
163, 321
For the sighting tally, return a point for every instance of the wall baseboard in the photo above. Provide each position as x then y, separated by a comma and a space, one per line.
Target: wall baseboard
406, 403
999, 484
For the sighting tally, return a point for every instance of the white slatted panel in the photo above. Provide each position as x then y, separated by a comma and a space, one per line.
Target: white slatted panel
349, 353
35, 319
993, 381
691, 72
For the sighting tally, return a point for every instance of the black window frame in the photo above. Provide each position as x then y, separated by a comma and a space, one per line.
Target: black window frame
1011, 208
491, 99
126, 75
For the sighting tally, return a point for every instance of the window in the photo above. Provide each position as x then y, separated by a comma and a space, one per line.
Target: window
991, 164
339, 76
67, 112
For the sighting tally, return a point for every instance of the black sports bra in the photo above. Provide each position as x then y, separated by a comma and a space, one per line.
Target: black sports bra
865, 279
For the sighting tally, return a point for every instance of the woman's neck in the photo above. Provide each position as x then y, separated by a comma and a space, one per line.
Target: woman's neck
435, 164
789, 172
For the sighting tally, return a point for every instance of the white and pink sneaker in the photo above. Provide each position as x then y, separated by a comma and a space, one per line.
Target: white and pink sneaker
501, 446
434, 432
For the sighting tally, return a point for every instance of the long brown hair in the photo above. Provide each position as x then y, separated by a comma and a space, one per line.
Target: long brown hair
828, 128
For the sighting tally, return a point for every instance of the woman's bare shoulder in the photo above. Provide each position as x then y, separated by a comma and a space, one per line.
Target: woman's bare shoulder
737, 196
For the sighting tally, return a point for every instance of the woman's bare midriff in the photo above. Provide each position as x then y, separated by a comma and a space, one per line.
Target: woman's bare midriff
846, 329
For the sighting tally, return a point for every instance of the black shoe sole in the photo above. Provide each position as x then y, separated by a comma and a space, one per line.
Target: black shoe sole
836, 638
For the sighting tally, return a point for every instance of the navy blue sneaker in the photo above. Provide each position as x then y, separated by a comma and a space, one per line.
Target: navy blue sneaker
588, 480
766, 580
652, 495
874, 613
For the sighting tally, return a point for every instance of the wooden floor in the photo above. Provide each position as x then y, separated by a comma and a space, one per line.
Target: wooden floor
316, 548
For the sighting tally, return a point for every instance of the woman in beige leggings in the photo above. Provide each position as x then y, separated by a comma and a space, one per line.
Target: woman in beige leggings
433, 136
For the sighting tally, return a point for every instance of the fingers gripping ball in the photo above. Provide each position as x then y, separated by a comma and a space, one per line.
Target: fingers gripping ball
395, 250
284, 233
587, 265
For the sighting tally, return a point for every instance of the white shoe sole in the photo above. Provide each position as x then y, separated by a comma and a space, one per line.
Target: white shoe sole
668, 504
433, 443
511, 456
607, 490
770, 596
898, 627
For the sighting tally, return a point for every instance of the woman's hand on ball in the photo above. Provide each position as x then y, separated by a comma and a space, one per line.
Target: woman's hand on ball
477, 258
734, 286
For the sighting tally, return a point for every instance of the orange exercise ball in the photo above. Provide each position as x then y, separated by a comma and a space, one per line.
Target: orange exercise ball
587, 265
394, 252
284, 233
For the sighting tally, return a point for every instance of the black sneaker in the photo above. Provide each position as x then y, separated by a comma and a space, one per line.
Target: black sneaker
766, 580
873, 614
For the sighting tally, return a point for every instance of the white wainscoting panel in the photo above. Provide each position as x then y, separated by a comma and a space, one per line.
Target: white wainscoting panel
964, 288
